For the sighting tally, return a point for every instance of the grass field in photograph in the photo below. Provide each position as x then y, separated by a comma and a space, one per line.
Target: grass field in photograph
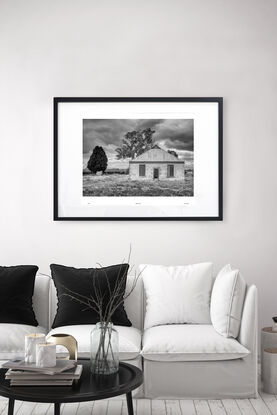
121, 185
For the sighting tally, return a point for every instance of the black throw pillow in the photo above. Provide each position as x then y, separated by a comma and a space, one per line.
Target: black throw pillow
80, 281
16, 292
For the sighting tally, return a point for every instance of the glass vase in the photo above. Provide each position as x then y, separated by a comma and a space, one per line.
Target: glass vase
104, 349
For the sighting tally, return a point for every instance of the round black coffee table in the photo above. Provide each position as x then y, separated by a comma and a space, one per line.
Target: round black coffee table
89, 388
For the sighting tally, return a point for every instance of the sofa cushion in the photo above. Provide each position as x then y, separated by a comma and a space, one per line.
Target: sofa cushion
82, 291
129, 339
133, 304
16, 292
227, 302
177, 294
189, 342
12, 339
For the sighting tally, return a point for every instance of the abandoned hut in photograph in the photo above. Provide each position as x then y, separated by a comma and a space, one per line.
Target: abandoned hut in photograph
156, 164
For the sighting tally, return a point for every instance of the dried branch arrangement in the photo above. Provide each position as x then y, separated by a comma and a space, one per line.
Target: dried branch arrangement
104, 358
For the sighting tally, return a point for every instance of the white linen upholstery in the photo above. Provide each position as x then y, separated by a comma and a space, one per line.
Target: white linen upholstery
133, 303
189, 342
12, 339
129, 339
248, 335
237, 378
162, 379
177, 294
41, 299
223, 379
227, 302
136, 393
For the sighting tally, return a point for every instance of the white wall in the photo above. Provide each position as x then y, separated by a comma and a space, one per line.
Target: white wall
141, 48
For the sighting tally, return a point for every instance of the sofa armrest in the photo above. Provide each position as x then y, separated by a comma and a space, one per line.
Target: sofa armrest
249, 322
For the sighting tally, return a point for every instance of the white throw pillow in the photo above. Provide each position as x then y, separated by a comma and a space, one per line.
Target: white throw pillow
177, 294
227, 302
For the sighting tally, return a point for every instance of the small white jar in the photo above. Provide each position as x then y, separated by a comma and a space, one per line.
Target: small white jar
31, 340
46, 355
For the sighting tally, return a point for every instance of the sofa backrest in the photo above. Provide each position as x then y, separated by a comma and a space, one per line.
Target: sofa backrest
41, 299
249, 321
133, 304
45, 303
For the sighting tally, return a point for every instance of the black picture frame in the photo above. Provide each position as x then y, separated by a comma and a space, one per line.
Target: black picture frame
59, 100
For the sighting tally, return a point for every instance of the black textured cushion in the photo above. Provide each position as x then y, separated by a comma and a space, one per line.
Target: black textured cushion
16, 292
80, 281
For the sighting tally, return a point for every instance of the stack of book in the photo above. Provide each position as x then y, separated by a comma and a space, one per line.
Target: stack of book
21, 373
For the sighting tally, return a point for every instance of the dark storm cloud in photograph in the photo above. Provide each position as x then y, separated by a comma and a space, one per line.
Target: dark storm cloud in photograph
170, 134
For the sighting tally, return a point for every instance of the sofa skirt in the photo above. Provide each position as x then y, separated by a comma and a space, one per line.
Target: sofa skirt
200, 380
136, 393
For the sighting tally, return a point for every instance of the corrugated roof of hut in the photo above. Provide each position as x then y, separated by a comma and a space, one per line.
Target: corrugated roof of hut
156, 154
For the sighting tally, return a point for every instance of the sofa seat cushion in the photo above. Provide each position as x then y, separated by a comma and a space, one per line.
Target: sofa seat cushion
12, 339
129, 339
189, 342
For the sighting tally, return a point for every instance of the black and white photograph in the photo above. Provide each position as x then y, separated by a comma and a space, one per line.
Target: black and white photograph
138, 157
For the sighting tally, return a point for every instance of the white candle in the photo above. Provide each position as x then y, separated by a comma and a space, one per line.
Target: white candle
46, 355
31, 340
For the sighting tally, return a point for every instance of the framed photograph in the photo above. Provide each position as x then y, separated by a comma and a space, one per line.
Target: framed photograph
138, 158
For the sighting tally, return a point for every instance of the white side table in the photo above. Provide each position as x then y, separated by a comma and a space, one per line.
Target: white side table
268, 341
269, 370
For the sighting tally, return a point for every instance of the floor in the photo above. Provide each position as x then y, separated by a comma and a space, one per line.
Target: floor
264, 405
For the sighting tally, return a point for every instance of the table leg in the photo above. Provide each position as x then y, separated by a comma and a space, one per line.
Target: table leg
57, 407
11, 406
129, 403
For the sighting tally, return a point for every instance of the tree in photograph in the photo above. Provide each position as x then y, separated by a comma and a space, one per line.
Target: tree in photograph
173, 153
135, 143
98, 160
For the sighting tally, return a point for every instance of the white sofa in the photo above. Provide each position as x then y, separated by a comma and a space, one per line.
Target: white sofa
178, 361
